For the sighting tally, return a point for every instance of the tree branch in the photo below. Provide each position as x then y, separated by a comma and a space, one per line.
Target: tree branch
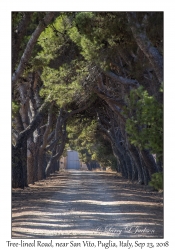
30, 45
25, 134
17, 36
146, 46
46, 133
121, 80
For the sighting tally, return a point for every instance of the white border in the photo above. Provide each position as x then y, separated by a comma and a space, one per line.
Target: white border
5, 94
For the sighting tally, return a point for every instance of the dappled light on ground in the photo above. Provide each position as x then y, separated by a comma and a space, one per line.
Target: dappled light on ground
82, 204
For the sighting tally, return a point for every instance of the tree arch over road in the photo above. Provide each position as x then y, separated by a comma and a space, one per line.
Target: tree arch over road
92, 80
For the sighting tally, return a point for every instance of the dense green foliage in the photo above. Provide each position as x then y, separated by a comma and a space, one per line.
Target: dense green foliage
157, 181
85, 138
145, 122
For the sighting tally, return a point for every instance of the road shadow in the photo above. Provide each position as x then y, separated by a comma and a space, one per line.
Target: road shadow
82, 204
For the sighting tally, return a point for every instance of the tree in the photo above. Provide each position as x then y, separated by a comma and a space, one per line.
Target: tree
145, 123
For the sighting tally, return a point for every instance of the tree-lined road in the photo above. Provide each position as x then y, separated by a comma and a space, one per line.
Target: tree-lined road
98, 91
82, 204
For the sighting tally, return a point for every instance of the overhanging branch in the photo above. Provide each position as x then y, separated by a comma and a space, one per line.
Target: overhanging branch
30, 45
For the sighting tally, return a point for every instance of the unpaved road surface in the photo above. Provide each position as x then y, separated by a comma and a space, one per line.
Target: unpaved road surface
83, 204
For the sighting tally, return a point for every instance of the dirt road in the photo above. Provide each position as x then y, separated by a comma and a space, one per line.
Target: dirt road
82, 204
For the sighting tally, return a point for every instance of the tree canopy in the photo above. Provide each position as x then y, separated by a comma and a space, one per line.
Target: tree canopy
89, 81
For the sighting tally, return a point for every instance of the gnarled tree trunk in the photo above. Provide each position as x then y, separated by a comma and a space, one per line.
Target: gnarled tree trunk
145, 45
137, 161
19, 167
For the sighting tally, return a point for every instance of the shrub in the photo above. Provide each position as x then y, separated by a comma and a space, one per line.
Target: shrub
157, 181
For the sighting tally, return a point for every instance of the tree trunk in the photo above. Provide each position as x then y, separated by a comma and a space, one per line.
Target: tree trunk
41, 166
160, 166
134, 169
136, 158
123, 168
149, 161
25, 134
30, 162
19, 167
36, 155
146, 174
41, 171
53, 159
30, 168
146, 46
128, 166
24, 164
89, 166
19, 152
